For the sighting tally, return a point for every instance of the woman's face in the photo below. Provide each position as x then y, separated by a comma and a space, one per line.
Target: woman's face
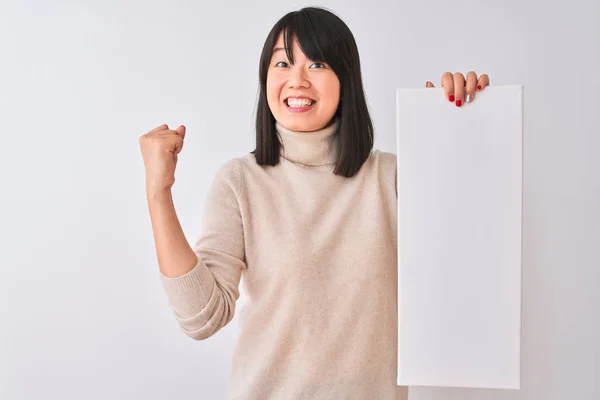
304, 96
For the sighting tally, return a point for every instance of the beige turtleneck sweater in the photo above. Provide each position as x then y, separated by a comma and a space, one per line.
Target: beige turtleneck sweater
318, 257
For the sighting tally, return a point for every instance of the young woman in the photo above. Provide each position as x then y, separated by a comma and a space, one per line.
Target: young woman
309, 220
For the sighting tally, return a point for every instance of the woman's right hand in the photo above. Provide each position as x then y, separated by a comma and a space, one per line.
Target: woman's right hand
159, 148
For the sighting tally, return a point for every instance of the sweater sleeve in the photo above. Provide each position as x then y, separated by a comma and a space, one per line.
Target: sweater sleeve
203, 300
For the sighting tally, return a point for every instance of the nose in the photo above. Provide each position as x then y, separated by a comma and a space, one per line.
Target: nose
298, 77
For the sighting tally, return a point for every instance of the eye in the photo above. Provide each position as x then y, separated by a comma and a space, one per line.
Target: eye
318, 63
281, 62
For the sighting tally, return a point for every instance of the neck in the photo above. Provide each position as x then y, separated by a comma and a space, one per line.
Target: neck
309, 148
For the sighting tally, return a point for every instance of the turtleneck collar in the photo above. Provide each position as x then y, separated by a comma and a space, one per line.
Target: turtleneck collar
309, 148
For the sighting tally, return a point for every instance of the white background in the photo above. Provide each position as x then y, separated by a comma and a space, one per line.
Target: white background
82, 312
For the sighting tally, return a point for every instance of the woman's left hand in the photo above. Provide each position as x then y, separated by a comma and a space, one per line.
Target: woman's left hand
455, 86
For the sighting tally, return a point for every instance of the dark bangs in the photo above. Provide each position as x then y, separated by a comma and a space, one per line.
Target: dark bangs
322, 37
314, 37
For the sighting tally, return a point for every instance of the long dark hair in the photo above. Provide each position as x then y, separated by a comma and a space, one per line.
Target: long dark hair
323, 37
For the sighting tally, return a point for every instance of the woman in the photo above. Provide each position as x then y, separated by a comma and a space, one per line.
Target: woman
308, 219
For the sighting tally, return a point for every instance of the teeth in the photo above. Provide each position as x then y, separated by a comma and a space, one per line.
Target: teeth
299, 102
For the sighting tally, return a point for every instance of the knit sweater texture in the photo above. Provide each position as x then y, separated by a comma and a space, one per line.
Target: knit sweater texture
316, 254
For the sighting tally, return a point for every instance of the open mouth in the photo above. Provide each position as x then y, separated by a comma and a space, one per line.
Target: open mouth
299, 103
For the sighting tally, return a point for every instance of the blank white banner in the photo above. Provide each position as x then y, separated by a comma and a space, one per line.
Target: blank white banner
459, 238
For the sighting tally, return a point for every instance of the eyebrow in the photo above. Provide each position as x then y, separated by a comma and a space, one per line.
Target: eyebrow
277, 49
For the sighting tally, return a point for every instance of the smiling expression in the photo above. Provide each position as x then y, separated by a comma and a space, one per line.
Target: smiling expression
304, 96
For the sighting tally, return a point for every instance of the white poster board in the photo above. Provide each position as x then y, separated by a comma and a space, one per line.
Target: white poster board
459, 238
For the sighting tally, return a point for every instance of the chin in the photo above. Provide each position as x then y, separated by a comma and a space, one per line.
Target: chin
301, 124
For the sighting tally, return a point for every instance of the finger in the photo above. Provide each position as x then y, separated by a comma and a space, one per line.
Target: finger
429, 84
470, 86
459, 88
160, 128
448, 85
483, 81
167, 133
178, 145
181, 131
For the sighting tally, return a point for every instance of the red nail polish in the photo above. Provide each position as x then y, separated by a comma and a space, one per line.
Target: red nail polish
478, 87
451, 97
458, 103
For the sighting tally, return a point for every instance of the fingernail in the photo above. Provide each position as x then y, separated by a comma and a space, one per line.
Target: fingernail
458, 103
478, 87
468, 98
451, 98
